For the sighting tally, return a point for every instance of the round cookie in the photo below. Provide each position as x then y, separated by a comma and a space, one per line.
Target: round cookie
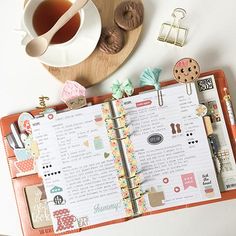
129, 15
111, 40
186, 70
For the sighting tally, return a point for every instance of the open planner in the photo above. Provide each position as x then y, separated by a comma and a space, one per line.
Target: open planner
124, 158
120, 159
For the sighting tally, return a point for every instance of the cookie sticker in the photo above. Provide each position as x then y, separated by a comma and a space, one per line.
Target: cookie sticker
186, 70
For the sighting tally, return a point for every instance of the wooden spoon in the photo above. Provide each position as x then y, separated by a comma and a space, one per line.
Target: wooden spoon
38, 46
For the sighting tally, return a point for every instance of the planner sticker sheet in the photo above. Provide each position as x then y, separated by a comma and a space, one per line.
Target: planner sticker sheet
77, 168
208, 95
171, 148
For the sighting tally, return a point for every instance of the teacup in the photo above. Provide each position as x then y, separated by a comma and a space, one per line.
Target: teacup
29, 11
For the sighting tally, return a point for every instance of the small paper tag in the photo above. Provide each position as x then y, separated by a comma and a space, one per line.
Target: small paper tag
77, 102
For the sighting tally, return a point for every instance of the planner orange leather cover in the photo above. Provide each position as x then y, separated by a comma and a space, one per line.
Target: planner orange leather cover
19, 183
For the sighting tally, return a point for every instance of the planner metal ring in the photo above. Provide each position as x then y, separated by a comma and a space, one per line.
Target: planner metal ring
116, 117
138, 186
131, 177
126, 187
135, 199
125, 197
121, 138
143, 193
117, 128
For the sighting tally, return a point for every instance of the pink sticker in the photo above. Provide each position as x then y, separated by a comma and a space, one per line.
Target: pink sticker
144, 103
72, 90
189, 180
25, 166
183, 63
65, 220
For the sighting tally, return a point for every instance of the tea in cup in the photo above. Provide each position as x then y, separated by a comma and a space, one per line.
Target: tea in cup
41, 15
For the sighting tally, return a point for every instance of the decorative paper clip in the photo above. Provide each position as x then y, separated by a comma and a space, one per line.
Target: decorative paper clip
173, 33
151, 77
119, 90
186, 71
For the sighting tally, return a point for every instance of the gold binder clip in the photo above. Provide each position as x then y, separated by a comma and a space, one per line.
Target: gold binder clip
173, 33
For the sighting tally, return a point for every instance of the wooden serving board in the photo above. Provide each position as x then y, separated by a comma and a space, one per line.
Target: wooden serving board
98, 66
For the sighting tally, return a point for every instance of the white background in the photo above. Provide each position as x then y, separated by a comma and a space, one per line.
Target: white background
211, 41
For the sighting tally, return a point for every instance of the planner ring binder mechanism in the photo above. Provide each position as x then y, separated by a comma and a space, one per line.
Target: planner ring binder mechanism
128, 174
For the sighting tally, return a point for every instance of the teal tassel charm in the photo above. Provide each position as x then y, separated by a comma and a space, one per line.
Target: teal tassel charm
150, 77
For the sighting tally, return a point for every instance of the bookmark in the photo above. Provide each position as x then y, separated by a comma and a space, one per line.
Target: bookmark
151, 77
186, 71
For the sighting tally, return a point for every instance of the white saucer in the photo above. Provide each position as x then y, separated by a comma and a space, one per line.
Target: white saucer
81, 46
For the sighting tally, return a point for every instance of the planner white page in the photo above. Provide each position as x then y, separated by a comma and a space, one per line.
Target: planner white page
77, 168
171, 148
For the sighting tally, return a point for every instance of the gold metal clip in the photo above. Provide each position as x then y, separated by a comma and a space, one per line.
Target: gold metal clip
174, 33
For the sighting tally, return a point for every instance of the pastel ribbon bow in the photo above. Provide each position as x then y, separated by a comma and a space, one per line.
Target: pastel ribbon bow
150, 77
120, 89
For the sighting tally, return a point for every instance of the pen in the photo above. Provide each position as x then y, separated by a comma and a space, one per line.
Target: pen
215, 148
213, 140
230, 113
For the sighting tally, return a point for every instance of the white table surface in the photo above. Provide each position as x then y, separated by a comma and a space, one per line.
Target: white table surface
211, 41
